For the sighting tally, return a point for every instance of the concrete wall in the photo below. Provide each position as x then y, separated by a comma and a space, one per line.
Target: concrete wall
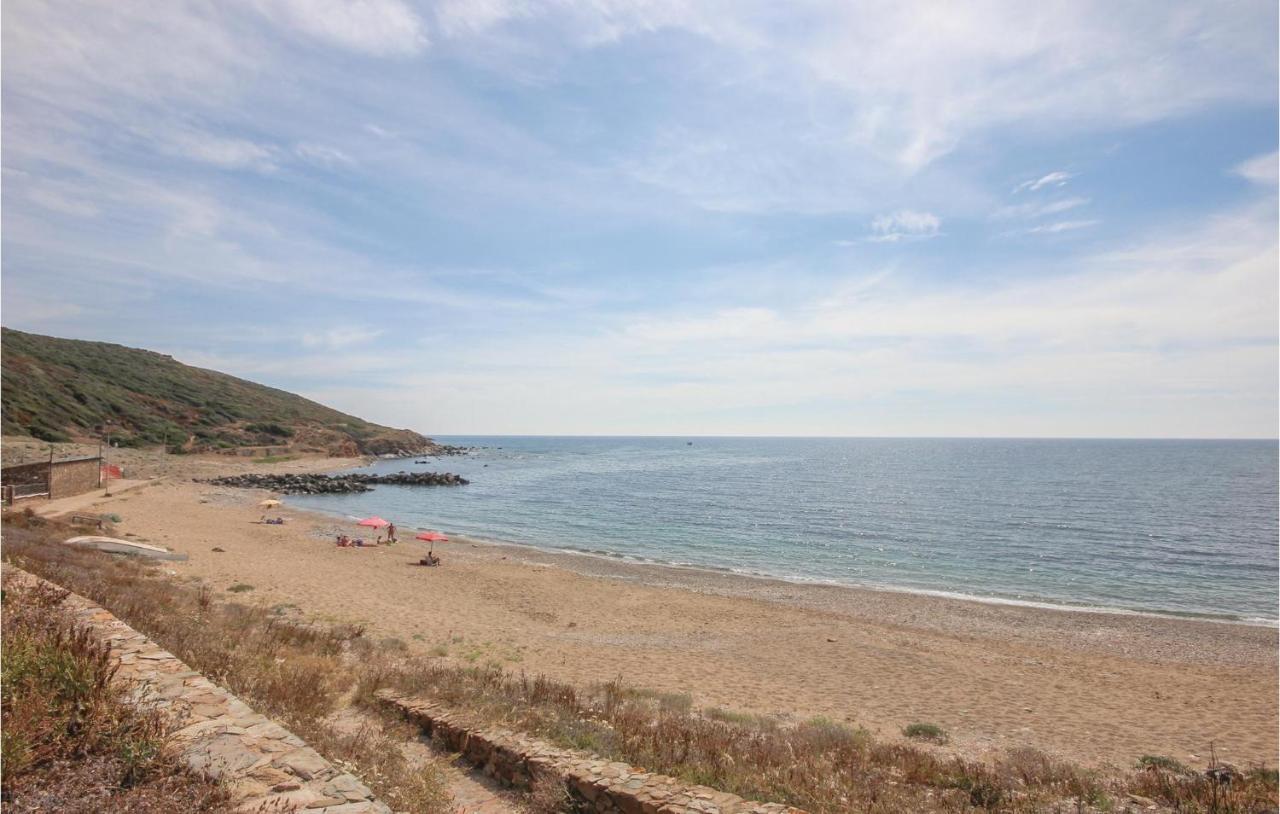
74, 477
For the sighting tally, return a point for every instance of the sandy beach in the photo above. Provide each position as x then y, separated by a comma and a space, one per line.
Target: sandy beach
1100, 689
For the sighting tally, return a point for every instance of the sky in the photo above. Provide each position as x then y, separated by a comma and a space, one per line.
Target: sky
662, 217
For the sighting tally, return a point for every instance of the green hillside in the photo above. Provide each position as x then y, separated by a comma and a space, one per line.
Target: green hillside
65, 389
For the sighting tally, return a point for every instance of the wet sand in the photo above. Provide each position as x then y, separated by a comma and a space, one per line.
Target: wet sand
1097, 688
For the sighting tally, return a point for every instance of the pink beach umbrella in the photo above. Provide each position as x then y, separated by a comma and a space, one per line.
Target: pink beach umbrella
432, 537
374, 522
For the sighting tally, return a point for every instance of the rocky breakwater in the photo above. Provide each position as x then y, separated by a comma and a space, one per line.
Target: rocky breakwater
310, 484
448, 449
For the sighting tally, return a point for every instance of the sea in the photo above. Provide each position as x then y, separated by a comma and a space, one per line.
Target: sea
1151, 526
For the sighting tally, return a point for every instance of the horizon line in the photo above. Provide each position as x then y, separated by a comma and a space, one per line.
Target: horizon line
867, 437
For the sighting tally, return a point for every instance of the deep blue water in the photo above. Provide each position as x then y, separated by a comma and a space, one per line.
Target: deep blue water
1186, 527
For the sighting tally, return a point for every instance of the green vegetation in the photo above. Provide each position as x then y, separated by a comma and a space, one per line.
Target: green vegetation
925, 732
58, 389
273, 459
1162, 762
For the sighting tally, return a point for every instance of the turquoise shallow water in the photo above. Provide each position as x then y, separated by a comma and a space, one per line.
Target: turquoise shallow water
1183, 527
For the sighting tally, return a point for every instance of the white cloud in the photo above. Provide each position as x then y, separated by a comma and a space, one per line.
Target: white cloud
1030, 211
1263, 169
1172, 336
220, 151
63, 199
844, 108
753, 324
1061, 226
1056, 179
876, 81
377, 27
905, 224
328, 157
336, 338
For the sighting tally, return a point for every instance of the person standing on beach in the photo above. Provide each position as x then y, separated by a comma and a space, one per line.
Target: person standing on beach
391, 533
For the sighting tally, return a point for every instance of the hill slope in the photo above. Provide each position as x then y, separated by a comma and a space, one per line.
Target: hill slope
63, 389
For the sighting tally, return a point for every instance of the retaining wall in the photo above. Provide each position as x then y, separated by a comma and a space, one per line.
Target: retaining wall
595, 785
265, 766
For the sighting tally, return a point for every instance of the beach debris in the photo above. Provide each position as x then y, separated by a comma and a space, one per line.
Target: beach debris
315, 484
219, 550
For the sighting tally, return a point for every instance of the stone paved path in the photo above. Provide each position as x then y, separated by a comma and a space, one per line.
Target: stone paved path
472, 791
595, 784
220, 736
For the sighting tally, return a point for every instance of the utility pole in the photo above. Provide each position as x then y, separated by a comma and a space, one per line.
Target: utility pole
106, 473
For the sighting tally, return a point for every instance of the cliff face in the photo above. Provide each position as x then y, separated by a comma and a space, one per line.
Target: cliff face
66, 389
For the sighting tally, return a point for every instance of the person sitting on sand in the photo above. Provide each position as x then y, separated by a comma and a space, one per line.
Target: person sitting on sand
429, 559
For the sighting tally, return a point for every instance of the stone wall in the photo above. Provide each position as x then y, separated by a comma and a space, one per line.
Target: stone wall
67, 478
265, 766
595, 785
23, 474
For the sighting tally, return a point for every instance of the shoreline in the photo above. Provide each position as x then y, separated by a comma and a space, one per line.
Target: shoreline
1096, 688
839, 597
570, 555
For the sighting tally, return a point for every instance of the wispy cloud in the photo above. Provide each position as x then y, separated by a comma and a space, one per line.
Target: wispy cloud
328, 157
345, 337
1061, 226
1055, 179
905, 224
1157, 324
606, 209
1263, 169
220, 151
1038, 210
379, 27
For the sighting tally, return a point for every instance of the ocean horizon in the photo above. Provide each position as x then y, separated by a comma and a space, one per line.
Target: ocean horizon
1184, 527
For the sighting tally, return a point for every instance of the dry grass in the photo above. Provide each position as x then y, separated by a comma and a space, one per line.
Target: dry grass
925, 732
819, 765
294, 673
70, 742
299, 673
